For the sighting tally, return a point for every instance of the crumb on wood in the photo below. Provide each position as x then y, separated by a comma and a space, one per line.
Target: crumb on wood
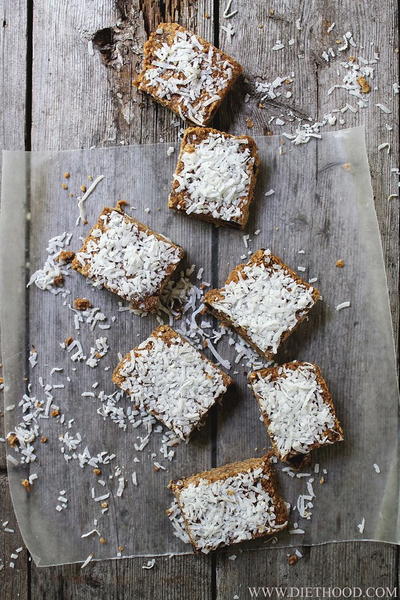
82, 304
207, 16
12, 440
249, 123
365, 87
120, 205
43, 439
322, 480
102, 540
326, 25
340, 263
67, 175
83, 188
121, 548
68, 341
293, 559
1, 380
347, 166
58, 281
96, 471
104, 504
25, 483
64, 186
55, 412
65, 256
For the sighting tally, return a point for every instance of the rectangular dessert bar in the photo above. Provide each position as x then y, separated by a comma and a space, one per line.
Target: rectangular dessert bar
127, 258
169, 378
230, 504
296, 407
215, 176
185, 73
263, 300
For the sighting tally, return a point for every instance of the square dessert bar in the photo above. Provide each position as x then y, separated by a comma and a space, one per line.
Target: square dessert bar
215, 176
263, 300
127, 258
230, 504
169, 378
296, 407
185, 73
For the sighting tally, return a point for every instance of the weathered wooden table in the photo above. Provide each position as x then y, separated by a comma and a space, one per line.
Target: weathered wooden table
56, 94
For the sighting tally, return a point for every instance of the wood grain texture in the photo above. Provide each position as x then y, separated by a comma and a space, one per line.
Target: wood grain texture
13, 75
335, 564
110, 119
13, 48
14, 582
71, 84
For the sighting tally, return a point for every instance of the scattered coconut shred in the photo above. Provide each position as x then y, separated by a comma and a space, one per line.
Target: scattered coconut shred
81, 201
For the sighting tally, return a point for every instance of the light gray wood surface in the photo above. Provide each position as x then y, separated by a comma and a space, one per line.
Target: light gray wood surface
13, 78
74, 105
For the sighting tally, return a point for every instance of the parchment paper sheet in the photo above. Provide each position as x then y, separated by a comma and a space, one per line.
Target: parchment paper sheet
327, 210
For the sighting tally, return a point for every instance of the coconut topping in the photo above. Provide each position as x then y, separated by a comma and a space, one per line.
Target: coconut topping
123, 258
171, 380
295, 407
216, 177
228, 510
188, 71
266, 301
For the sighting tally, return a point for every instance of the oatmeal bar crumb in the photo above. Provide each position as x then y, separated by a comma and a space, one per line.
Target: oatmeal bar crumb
82, 304
120, 205
365, 87
65, 256
58, 281
12, 440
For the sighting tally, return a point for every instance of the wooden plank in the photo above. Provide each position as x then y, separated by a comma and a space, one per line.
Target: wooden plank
336, 564
13, 581
109, 119
13, 48
13, 52
329, 566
